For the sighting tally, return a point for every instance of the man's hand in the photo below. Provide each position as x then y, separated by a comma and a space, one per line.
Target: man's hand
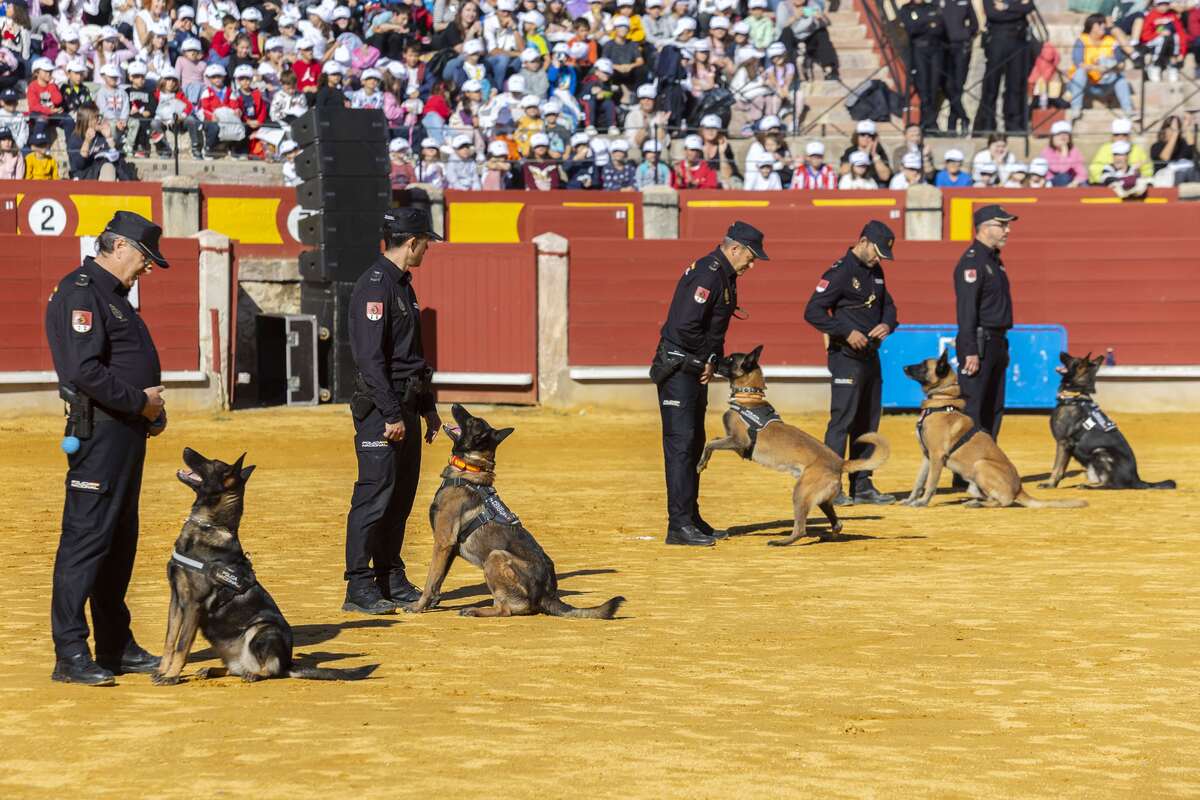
879, 332
154, 403
394, 431
706, 376
970, 365
857, 340
433, 424
159, 425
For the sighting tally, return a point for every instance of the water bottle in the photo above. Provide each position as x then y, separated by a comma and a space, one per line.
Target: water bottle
1110, 358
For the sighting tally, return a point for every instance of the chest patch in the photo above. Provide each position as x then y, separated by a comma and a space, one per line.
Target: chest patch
374, 311
822, 286
854, 282
701, 295
81, 321
970, 275
1097, 420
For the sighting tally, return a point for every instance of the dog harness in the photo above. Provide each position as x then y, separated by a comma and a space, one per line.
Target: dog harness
1096, 420
236, 577
966, 437
491, 510
756, 418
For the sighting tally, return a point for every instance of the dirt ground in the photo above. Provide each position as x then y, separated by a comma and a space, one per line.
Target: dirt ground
939, 652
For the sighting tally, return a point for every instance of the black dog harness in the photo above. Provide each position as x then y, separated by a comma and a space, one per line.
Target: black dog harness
756, 419
492, 510
231, 578
966, 437
1095, 419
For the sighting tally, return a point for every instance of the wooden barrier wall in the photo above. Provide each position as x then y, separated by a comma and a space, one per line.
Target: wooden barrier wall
519, 216
1086, 213
789, 214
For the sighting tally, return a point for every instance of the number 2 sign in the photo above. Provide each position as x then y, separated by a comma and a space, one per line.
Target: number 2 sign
46, 217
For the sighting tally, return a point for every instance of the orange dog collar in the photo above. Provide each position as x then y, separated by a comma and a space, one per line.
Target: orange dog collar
458, 463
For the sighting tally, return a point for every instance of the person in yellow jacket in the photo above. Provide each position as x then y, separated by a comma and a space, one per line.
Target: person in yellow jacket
39, 164
1122, 131
637, 32
1098, 55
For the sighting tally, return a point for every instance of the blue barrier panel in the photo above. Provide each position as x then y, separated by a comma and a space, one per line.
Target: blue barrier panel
1033, 352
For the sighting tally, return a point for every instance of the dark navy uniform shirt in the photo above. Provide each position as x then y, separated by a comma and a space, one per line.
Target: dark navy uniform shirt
1011, 20
923, 23
982, 295
385, 336
857, 296
702, 306
99, 343
960, 21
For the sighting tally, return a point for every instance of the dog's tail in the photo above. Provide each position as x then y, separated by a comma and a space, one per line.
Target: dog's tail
328, 674
557, 608
878, 458
1168, 484
1028, 501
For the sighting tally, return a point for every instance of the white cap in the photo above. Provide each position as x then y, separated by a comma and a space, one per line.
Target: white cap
1018, 166
693, 142
243, 71
191, 44
551, 106
160, 28
254, 15
859, 159
623, 3
516, 84
742, 27
341, 54
398, 146
699, 46
758, 3
814, 149
684, 24
164, 73
776, 49
323, 14
725, 5
746, 54
646, 92
288, 146
499, 149
911, 160
866, 126
530, 54
986, 168
718, 22
109, 32
578, 139
333, 68
954, 154
560, 49
604, 65
112, 71
1039, 166
620, 22
135, 68
473, 46
428, 142
341, 12
619, 144
711, 121
274, 43
185, 12
1121, 148
70, 35
506, 5
472, 86
654, 4
530, 101
211, 71
46, 64
1062, 126
651, 146
1122, 126
79, 65
462, 140
539, 140
578, 50
395, 68
306, 43
265, 69
598, 145
534, 18
768, 122
369, 73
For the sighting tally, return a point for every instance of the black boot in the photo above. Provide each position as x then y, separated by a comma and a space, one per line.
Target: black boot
367, 599
709, 530
866, 494
132, 659
80, 668
689, 535
401, 589
843, 499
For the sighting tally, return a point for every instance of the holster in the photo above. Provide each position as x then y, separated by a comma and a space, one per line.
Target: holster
667, 361
981, 341
80, 412
361, 403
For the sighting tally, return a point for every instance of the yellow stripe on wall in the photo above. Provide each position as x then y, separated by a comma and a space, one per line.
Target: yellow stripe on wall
95, 210
961, 208
882, 201
485, 222
728, 203
249, 220
1108, 200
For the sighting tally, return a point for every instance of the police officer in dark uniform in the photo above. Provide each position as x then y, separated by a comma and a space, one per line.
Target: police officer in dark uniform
392, 394
109, 373
925, 27
1006, 49
961, 24
984, 304
693, 341
852, 306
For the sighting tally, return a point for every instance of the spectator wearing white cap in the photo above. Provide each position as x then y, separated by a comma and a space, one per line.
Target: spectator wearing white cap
462, 171
658, 26
762, 176
600, 97
652, 172
625, 55
693, 172
719, 153
997, 154
642, 122
429, 167
330, 93
1122, 131
252, 109
866, 140
468, 65
498, 172
75, 93
620, 174
531, 122
1018, 173
768, 125
504, 41
914, 142
579, 169
287, 103
987, 174
558, 134
142, 107
113, 103
504, 108
402, 172
539, 171
190, 66
1038, 169
174, 112
814, 173
44, 98
13, 120
1064, 161
157, 55
1122, 174
952, 173
214, 104
533, 70
911, 171
307, 68
761, 24
780, 77
109, 48
859, 175
287, 152
368, 95
752, 98
720, 40
69, 51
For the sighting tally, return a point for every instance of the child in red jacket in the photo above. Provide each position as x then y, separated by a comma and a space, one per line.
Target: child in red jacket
308, 71
1163, 41
250, 104
215, 95
46, 101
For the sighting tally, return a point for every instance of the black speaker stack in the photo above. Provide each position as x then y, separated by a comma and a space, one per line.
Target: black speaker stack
344, 163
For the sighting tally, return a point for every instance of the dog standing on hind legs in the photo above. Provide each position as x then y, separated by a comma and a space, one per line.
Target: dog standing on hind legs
755, 432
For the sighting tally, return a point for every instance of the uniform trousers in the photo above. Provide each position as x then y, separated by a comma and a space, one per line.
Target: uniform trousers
927, 73
984, 391
682, 401
855, 400
1008, 60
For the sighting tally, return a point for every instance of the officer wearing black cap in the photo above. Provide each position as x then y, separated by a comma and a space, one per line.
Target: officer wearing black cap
852, 307
984, 303
109, 373
693, 340
392, 394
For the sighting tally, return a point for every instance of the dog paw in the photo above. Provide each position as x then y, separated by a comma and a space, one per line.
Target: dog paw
1047, 485
409, 608
835, 529
158, 679
919, 503
778, 543
467, 612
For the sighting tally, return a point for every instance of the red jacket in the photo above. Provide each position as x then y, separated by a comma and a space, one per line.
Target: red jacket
1155, 20
43, 98
308, 74
256, 101
700, 176
211, 99
181, 97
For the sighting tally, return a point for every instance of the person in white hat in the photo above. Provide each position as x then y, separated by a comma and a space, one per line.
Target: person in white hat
987, 174
557, 132
996, 154
330, 92
503, 39
642, 122
70, 41
866, 140
530, 122
541, 173
579, 167
287, 153
462, 171
113, 103
657, 25
620, 175
1018, 173
44, 98
952, 173
75, 93
429, 167
174, 112
859, 176
911, 171
600, 95
402, 171
814, 173
1064, 162
762, 175
761, 25
1122, 131
215, 96
142, 106
694, 172
190, 66
1038, 169
368, 95
498, 171
652, 172
533, 72
252, 107
625, 55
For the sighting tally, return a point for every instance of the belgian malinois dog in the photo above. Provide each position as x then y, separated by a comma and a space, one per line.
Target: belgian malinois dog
950, 438
754, 431
469, 519
1081, 430
214, 591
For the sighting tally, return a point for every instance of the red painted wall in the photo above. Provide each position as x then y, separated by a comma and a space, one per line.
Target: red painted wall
789, 214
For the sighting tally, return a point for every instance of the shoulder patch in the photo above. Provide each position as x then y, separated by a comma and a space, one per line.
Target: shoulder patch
822, 285
374, 311
970, 275
714, 266
701, 295
82, 279
81, 320
376, 275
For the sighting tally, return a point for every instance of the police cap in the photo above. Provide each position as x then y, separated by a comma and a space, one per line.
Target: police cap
989, 213
399, 222
745, 234
881, 236
139, 231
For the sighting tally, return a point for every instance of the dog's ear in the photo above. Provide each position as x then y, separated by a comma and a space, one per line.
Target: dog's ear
460, 414
500, 435
751, 360
943, 364
1065, 358
1097, 361
246, 472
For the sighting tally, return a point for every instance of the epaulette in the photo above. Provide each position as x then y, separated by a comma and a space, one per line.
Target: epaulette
714, 265
836, 264
376, 275
82, 279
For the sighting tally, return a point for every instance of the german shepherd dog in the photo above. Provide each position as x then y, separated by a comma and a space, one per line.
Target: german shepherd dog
755, 432
469, 519
213, 588
949, 438
1082, 431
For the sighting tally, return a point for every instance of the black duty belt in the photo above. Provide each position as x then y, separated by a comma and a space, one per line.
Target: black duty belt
756, 418
491, 510
966, 437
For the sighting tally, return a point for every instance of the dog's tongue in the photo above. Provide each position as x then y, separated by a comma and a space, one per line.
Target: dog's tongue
451, 430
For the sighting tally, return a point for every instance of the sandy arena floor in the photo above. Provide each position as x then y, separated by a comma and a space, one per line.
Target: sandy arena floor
944, 652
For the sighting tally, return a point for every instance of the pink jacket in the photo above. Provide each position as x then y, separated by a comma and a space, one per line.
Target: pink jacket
1059, 164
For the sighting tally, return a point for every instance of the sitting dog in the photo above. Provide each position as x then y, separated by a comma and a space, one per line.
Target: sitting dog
755, 432
213, 588
469, 519
1081, 430
948, 437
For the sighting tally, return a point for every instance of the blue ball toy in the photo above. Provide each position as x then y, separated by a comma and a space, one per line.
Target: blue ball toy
70, 444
